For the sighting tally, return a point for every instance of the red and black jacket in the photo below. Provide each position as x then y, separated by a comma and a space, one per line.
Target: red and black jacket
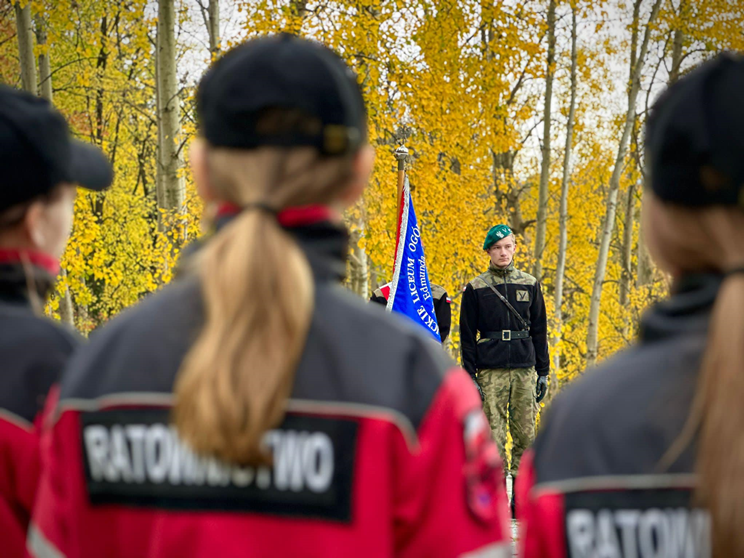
382, 452
594, 484
33, 351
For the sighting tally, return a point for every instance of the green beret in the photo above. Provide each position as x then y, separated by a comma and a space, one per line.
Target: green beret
499, 232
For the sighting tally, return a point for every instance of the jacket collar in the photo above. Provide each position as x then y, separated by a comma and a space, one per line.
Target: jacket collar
24, 274
325, 243
501, 271
687, 311
326, 246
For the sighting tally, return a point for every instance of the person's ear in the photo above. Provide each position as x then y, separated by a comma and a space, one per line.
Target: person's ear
199, 169
362, 166
33, 229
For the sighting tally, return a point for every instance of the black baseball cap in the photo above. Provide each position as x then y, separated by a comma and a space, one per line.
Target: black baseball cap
695, 137
282, 72
37, 152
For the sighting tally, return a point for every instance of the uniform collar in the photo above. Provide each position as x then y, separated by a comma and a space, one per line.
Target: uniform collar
501, 271
25, 272
326, 246
325, 243
686, 311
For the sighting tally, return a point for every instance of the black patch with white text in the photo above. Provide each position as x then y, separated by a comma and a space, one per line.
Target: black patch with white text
135, 457
636, 524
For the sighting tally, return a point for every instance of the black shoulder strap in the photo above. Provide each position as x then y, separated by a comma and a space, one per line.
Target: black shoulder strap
524, 323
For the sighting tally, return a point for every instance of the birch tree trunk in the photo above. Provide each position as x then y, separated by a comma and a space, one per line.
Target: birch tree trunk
563, 239
66, 307
171, 193
45, 70
159, 173
360, 283
608, 224
211, 15
627, 249
542, 208
24, 32
359, 261
678, 45
644, 272
626, 256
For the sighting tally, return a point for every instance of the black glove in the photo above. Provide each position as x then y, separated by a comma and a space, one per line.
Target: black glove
480, 391
541, 389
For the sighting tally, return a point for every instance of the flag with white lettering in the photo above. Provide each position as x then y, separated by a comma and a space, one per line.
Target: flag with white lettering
410, 290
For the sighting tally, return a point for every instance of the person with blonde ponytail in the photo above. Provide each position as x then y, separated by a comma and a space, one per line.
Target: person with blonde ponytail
254, 407
645, 455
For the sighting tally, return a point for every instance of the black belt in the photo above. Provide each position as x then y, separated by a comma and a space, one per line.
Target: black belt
505, 335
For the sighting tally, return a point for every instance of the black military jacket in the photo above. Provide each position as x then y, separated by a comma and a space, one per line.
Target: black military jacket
442, 306
484, 318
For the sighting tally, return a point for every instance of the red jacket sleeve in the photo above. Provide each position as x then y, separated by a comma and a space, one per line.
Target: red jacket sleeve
19, 475
450, 495
48, 533
540, 516
20, 464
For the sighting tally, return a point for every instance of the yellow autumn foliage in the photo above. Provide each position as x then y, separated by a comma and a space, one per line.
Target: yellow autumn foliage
459, 82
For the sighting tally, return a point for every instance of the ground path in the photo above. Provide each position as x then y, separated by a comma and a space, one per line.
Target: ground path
514, 521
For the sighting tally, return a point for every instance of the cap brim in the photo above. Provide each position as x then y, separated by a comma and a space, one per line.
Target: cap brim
89, 167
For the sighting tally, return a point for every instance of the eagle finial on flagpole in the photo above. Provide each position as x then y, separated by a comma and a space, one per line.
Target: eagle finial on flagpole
401, 154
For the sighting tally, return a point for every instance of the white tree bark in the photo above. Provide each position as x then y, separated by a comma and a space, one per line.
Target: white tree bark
159, 171
565, 184
644, 274
171, 194
66, 307
627, 250
626, 256
644, 271
608, 225
45, 69
24, 32
542, 208
678, 45
211, 14
359, 261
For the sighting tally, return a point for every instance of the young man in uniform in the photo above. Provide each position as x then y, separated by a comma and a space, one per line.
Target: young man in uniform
442, 309
503, 331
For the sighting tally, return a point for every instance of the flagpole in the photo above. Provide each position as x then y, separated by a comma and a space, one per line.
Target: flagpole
400, 154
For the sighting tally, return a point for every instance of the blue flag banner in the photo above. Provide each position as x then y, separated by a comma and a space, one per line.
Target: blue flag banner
410, 290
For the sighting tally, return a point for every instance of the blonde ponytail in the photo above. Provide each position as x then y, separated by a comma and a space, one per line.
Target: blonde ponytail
258, 294
258, 297
720, 454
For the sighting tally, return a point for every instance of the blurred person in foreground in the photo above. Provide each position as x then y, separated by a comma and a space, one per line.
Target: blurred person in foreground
40, 165
643, 457
247, 409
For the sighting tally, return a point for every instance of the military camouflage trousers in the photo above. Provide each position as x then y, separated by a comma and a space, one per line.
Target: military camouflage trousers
509, 399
